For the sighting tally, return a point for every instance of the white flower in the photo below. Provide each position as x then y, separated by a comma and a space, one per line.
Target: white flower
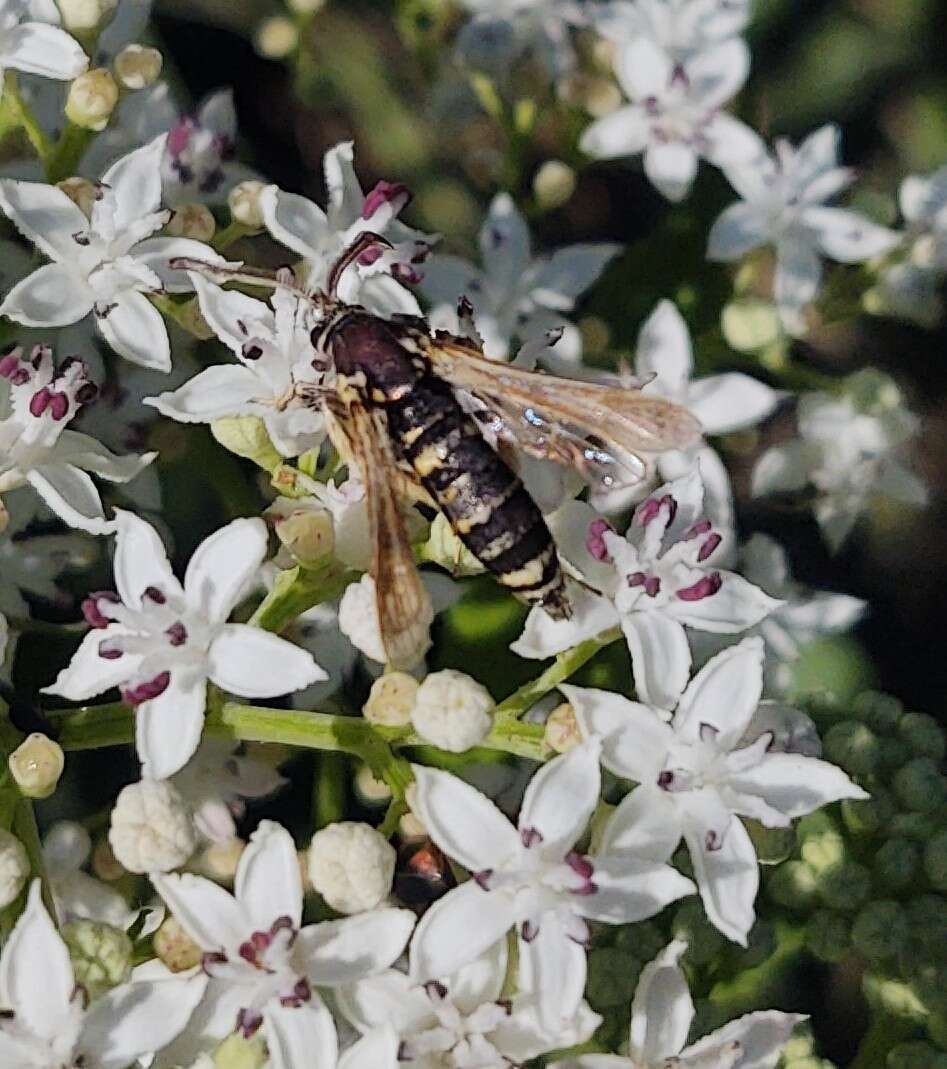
216, 782
102, 265
31, 41
662, 577
321, 236
275, 379
695, 778
14, 867
532, 878
37, 402
681, 27
160, 641
784, 205
675, 115
264, 966
515, 297
351, 865
847, 451
43, 1021
152, 827
662, 1013
77, 895
805, 614
460, 1022
452, 711
358, 619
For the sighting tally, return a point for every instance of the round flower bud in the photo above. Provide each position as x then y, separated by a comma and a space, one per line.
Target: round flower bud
304, 527
868, 816
923, 735
104, 864
358, 619
880, 931
896, 864
152, 829
220, 860
235, 1052
174, 946
553, 184
845, 886
824, 849
928, 917
276, 37
83, 16
919, 785
14, 867
92, 99
81, 192
36, 765
101, 955
793, 885
391, 700
194, 221
562, 729
893, 753
370, 791
853, 746
451, 711
704, 942
828, 935
352, 866
244, 203
305, 7
935, 861
137, 67
880, 712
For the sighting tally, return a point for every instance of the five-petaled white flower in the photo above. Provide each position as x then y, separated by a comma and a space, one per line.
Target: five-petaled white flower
160, 641
675, 115
37, 402
695, 777
848, 452
513, 295
661, 577
276, 379
321, 236
784, 205
682, 28
662, 1013
531, 878
105, 264
264, 966
31, 41
44, 1022
461, 1021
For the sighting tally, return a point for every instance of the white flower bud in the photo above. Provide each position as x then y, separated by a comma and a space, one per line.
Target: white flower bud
304, 526
192, 221
175, 947
358, 619
305, 7
137, 67
562, 729
553, 184
351, 865
101, 955
451, 711
83, 16
244, 203
92, 99
276, 37
14, 867
370, 791
391, 700
81, 192
152, 829
104, 864
36, 765
220, 860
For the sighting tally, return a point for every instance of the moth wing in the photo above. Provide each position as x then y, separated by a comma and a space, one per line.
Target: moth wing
605, 432
404, 608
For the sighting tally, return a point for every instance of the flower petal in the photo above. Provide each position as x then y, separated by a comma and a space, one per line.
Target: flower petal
735, 606
671, 167
44, 215
89, 454
847, 236
736, 231
664, 350
345, 196
224, 309
795, 784
565, 275
543, 636
256, 664
464, 823
377, 1050
213, 918
72, 495
344, 951
223, 566
660, 657
294, 221
662, 1010
458, 928
731, 402
731, 142
646, 824
52, 296
268, 882
140, 561
762, 1037
631, 889
133, 327
156, 254
623, 132
643, 69
728, 877
88, 674
388, 998
222, 390
561, 797
555, 969
724, 694
785, 468
138, 1018
635, 739
300, 1035
798, 274
134, 184
168, 728
504, 244
35, 48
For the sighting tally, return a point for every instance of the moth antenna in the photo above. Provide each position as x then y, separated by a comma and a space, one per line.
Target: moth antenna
249, 276
368, 239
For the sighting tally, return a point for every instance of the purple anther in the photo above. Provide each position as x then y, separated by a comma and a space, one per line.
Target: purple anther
703, 588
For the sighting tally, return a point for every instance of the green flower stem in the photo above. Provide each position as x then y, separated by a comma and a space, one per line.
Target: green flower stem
565, 665
296, 590
328, 790
62, 160
21, 115
231, 233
